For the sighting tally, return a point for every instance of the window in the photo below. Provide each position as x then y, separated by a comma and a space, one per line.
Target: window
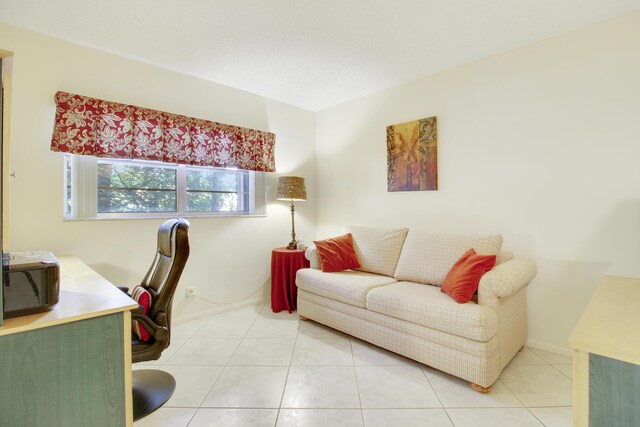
126, 187
110, 188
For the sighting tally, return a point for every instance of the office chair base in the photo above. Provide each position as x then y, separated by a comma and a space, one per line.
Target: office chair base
151, 389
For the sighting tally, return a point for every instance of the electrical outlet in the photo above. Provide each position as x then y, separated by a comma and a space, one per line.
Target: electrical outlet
190, 292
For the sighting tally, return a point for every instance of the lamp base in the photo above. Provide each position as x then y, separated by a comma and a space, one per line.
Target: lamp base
293, 245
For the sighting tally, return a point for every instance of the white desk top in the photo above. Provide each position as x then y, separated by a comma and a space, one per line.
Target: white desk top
610, 325
83, 294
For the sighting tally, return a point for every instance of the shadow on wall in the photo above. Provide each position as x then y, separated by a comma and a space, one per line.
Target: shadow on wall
617, 237
557, 297
563, 288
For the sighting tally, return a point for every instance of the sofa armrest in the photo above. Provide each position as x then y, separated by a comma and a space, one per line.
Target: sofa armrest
312, 255
507, 278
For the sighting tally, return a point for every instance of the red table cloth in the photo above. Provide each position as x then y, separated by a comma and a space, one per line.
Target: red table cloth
284, 265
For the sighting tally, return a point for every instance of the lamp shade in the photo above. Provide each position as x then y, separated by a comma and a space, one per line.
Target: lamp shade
291, 188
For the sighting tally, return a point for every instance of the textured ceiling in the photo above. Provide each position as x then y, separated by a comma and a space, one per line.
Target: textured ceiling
310, 53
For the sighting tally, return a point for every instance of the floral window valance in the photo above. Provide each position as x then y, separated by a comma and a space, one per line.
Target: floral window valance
100, 128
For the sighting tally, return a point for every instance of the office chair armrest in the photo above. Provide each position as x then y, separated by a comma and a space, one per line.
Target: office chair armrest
159, 333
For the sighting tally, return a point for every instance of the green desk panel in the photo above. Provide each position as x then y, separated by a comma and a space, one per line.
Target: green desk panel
614, 393
64, 376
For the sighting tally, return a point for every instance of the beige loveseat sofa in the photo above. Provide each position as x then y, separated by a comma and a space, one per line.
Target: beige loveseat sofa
394, 301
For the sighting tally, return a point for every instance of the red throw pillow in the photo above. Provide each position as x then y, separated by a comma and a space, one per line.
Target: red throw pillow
463, 278
337, 254
143, 298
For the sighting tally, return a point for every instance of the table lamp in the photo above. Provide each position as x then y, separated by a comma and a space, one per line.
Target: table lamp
291, 188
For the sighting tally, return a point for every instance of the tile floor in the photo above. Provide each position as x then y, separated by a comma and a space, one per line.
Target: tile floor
252, 367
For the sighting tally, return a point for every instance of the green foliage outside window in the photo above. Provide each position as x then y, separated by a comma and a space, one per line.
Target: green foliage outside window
127, 188
212, 191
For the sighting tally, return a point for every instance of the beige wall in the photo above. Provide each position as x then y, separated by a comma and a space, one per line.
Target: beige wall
541, 144
230, 257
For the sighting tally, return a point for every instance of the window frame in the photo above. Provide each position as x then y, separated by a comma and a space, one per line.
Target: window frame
84, 189
240, 189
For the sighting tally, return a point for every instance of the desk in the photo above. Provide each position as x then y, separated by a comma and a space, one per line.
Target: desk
70, 366
606, 357
285, 263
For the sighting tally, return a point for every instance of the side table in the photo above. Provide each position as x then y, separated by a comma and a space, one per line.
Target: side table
284, 265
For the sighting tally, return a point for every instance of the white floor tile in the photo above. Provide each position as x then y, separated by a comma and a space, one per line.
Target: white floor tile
311, 329
273, 328
493, 417
264, 352
248, 387
250, 312
565, 369
268, 313
527, 357
205, 351
395, 387
253, 367
406, 418
368, 354
554, 417
322, 351
192, 384
538, 385
319, 418
552, 358
167, 417
225, 328
174, 346
186, 329
456, 393
321, 387
234, 418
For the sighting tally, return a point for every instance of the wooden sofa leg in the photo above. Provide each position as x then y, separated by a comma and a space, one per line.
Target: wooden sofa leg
302, 317
479, 388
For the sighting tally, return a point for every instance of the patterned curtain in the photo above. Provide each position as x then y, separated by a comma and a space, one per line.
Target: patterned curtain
100, 128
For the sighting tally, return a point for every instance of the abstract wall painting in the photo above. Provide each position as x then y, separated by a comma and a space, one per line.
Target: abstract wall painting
412, 155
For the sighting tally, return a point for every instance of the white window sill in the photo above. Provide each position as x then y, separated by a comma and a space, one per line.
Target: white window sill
163, 216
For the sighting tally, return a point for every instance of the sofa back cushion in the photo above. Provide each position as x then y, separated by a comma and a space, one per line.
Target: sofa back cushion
378, 249
503, 256
428, 257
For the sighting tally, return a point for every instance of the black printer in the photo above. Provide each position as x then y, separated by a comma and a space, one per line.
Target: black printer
31, 282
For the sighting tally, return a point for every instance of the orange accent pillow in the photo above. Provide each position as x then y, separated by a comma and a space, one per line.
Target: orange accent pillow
463, 278
337, 254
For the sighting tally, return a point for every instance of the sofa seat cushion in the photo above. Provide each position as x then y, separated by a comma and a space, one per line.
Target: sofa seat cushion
347, 286
426, 305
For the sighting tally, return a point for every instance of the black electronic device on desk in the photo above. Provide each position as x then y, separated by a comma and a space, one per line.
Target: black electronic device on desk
31, 282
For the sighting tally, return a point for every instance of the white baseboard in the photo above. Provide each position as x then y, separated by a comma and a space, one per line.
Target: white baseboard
218, 310
564, 351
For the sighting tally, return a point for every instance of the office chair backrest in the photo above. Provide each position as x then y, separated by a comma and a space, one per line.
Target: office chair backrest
162, 278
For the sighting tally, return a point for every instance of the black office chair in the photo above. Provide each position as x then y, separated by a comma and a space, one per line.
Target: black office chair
151, 387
